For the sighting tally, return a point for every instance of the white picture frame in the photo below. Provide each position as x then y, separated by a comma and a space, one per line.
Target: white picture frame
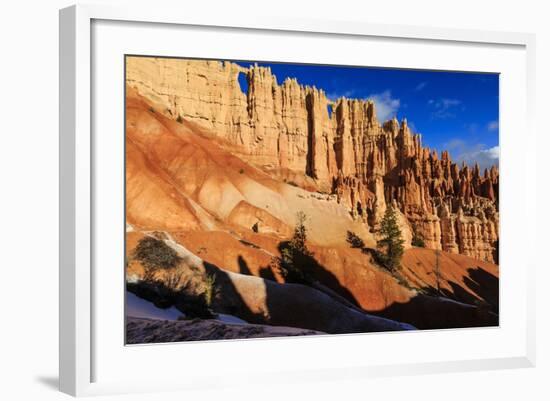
78, 152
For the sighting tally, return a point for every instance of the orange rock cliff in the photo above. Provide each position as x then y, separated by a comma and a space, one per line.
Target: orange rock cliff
339, 146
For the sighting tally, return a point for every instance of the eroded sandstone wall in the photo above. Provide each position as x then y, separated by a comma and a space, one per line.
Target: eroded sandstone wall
348, 151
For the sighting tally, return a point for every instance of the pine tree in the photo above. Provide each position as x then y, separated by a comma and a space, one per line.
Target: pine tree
295, 255
391, 242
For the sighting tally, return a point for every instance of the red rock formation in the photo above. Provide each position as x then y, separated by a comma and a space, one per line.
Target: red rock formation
366, 163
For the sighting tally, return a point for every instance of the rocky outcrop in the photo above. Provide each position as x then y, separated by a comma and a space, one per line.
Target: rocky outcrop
340, 145
143, 330
179, 179
347, 291
251, 298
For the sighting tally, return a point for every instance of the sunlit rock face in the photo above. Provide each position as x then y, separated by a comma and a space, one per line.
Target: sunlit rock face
340, 146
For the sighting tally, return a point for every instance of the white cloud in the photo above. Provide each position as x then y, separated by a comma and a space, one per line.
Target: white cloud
420, 86
334, 96
446, 103
492, 153
386, 106
484, 157
455, 144
444, 107
470, 154
492, 126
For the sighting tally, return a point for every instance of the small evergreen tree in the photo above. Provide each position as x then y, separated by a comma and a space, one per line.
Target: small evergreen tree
295, 255
391, 242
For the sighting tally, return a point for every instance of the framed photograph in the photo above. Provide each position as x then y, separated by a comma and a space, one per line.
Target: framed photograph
290, 199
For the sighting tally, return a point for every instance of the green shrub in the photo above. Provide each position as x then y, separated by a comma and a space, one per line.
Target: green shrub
355, 241
154, 254
209, 289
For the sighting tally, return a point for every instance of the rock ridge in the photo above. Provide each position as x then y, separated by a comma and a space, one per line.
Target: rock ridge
340, 144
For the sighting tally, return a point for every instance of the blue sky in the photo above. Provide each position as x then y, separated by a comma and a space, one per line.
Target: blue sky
452, 110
